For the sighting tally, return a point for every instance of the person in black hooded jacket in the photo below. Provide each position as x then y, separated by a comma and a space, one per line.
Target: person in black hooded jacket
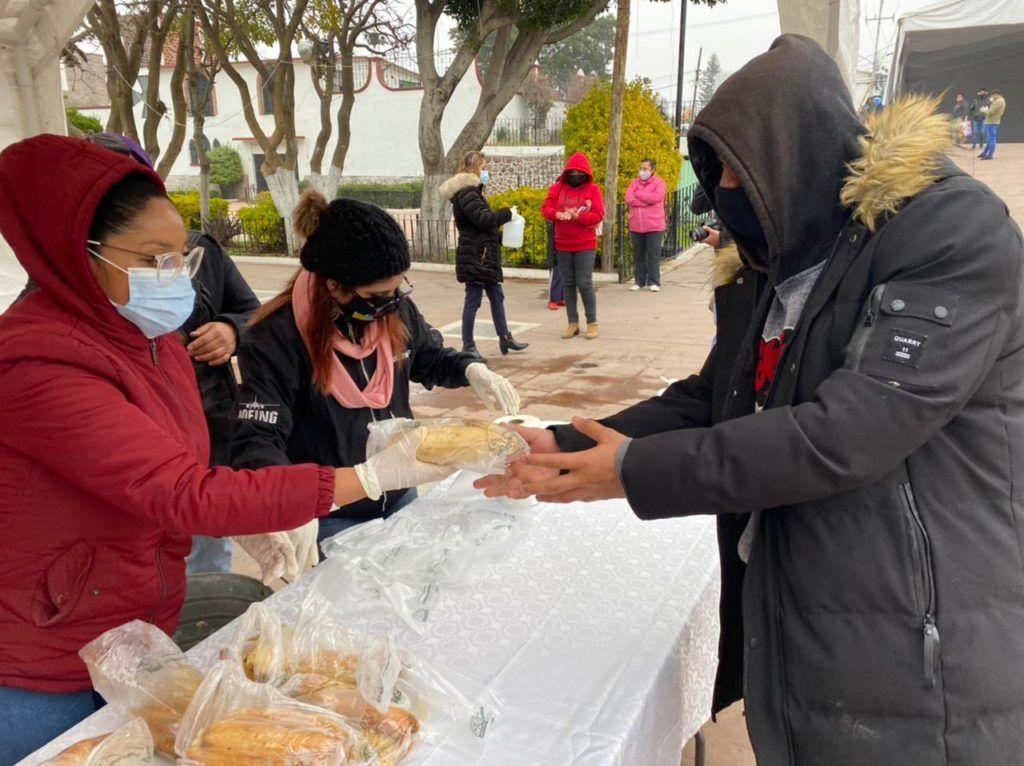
214, 332
478, 253
865, 461
337, 349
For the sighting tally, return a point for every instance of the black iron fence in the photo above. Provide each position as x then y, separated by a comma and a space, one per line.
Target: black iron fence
680, 222
524, 131
263, 236
433, 241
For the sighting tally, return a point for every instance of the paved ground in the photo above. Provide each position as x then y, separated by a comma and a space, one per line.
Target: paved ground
644, 338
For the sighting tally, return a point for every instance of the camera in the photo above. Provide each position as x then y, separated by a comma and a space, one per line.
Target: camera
699, 234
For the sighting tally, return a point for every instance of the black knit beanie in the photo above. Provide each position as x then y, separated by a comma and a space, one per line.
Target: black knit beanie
351, 242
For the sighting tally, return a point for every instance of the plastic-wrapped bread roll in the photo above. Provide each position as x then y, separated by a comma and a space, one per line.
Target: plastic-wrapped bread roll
472, 445
271, 737
130, 745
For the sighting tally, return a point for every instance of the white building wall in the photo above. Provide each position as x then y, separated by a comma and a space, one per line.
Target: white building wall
385, 124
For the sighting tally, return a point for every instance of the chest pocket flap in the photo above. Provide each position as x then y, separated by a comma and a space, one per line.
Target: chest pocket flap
903, 334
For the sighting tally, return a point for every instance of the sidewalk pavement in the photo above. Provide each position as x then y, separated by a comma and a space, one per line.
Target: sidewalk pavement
645, 337
1002, 174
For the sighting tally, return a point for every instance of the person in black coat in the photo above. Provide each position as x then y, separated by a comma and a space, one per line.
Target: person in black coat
214, 332
862, 438
337, 350
478, 254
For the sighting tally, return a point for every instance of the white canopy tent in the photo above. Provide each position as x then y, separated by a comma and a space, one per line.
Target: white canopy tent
964, 45
32, 34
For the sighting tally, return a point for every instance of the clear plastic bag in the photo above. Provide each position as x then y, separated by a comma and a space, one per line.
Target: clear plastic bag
130, 745
408, 560
233, 721
140, 671
470, 445
396, 702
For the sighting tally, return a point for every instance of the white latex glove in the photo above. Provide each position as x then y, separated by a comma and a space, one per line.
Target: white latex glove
304, 540
274, 552
515, 211
397, 467
493, 389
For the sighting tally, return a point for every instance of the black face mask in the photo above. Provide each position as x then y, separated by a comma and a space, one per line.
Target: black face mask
576, 179
738, 216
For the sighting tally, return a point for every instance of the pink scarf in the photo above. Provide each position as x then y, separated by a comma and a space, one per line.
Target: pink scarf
377, 393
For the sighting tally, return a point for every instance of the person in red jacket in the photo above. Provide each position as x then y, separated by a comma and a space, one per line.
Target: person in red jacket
103, 444
576, 205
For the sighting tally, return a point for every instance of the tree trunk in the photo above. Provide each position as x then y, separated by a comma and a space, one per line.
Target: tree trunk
431, 242
284, 190
180, 116
611, 174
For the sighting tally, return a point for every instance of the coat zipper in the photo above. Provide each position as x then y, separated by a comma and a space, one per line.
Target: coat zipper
153, 354
930, 629
868, 321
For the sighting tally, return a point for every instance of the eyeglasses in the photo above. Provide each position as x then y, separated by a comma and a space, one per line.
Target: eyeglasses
385, 307
169, 266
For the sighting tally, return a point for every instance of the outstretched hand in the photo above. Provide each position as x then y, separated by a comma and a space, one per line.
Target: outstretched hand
557, 477
510, 484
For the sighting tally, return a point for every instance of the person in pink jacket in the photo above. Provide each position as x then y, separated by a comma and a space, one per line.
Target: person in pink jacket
646, 199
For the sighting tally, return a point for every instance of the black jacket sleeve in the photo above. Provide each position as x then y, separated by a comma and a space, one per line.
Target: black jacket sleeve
432, 363
272, 372
685, 404
958, 288
235, 301
479, 212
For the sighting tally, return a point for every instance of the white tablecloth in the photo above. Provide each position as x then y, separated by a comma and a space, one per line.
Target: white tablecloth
598, 634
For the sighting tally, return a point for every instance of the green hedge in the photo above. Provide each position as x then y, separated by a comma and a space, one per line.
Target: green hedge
188, 208
394, 196
83, 122
225, 166
262, 226
534, 252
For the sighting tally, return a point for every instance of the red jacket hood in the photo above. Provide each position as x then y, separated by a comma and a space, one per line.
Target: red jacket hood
50, 187
578, 161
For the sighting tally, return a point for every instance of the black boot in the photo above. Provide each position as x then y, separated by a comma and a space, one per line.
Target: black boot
470, 348
508, 343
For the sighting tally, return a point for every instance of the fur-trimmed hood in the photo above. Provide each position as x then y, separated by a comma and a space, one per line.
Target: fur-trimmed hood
457, 183
902, 151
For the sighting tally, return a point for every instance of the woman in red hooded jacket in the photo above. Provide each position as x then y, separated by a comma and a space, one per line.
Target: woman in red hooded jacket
576, 205
103, 445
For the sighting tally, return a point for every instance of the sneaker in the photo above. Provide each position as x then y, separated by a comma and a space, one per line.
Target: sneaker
561, 304
553, 305
634, 288
654, 289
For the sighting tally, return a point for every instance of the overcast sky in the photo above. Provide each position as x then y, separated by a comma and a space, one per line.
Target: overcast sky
736, 31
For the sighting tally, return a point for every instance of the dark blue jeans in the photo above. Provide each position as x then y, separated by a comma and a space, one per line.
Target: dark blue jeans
556, 290
31, 719
992, 132
977, 133
474, 297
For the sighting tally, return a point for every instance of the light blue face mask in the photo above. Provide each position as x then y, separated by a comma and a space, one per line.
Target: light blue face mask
155, 308
485, 177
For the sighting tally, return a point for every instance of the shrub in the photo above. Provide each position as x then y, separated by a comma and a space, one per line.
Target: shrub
645, 133
399, 195
187, 204
534, 252
225, 166
263, 225
84, 122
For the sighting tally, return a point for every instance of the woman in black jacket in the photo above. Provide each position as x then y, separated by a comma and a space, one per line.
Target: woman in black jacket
335, 352
478, 254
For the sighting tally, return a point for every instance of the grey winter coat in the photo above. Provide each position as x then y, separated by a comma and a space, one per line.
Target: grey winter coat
882, 608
